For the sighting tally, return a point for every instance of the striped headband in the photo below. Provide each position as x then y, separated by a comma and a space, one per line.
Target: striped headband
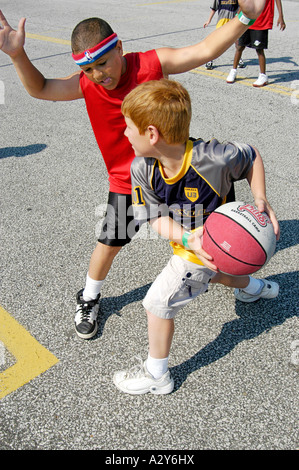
93, 54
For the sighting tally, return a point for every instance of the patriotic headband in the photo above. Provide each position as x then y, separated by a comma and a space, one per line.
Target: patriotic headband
93, 54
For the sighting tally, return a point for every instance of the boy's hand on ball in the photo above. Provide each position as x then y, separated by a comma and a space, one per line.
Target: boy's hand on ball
264, 206
195, 244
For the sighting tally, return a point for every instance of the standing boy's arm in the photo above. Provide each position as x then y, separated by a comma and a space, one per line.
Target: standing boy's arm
60, 89
181, 60
257, 183
210, 18
280, 20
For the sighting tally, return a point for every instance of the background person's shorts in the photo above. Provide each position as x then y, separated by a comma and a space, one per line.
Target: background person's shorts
254, 39
179, 283
119, 226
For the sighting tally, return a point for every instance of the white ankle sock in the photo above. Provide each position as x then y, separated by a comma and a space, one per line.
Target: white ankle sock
92, 288
254, 286
157, 367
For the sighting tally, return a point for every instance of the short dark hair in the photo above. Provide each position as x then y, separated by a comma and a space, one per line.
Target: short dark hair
88, 33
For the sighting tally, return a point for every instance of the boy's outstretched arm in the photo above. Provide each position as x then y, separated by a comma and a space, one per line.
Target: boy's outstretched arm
12, 43
181, 60
256, 180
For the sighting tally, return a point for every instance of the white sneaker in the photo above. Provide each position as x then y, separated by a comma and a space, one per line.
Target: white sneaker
138, 380
261, 81
269, 290
232, 76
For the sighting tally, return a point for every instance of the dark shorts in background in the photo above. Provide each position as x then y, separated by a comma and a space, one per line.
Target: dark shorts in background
119, 226
254, 39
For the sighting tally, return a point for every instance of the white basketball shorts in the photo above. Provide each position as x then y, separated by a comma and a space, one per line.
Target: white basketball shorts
177, 285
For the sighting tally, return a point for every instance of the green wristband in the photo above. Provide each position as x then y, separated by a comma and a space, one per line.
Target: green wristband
185, 240
244, 19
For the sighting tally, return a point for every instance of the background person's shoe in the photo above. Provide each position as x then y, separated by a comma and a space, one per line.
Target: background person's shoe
231, 76
209, 65
261, 81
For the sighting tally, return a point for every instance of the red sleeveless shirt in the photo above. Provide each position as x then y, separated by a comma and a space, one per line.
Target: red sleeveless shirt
104, 110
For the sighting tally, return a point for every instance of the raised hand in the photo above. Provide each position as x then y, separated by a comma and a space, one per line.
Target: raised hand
11, 41
252, 8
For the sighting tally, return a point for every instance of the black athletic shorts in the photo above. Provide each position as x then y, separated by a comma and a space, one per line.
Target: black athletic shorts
254, 39
119, 226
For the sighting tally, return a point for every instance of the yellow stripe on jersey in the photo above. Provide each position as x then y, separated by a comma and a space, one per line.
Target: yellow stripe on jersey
184, 253
153, 170
184, 168
216, 192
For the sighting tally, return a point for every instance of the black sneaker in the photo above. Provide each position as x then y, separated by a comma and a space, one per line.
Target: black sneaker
241, 64
86, 324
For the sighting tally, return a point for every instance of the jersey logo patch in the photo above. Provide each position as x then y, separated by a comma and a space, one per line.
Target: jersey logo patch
191, 194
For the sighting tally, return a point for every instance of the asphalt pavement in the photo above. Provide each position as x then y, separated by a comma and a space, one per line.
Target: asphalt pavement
235, 365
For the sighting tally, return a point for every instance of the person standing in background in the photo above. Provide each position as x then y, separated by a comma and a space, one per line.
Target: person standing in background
256, 37
227, 10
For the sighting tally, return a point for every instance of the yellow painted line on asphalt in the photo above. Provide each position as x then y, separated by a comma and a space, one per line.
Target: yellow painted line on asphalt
48, 39
280, 89
165, 1
32, 359
202, 71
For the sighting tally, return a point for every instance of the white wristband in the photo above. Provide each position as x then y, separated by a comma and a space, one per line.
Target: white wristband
244, 19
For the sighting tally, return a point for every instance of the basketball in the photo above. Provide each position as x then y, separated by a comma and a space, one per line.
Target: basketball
240, 239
